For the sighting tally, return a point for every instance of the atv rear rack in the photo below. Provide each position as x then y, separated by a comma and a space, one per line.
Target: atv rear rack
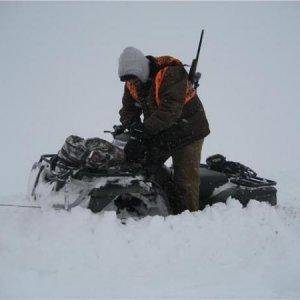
252, 181
237, 173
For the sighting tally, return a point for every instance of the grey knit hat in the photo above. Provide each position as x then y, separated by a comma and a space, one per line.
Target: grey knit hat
132, 61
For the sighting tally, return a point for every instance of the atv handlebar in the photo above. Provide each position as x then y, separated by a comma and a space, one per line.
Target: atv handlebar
120, 129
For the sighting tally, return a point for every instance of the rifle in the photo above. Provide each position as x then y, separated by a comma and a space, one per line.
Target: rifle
194, 76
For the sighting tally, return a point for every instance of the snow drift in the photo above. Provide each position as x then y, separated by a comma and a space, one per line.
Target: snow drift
223, 251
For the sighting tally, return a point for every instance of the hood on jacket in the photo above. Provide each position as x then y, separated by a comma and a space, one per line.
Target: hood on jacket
132, 62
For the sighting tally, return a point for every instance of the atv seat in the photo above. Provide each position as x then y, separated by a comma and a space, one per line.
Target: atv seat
209, 180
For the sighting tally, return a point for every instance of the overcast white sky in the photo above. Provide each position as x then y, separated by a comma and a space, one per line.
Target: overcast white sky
58, 75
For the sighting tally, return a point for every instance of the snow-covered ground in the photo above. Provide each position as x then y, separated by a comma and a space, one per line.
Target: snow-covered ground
224, 251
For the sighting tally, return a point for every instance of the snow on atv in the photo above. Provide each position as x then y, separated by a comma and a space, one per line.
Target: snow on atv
94, 173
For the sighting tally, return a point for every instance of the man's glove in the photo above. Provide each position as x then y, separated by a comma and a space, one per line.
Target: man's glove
138, 130
135, 150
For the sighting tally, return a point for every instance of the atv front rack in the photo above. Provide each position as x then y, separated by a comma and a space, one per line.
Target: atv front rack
61, 172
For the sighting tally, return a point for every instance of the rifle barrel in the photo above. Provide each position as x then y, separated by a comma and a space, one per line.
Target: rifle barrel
200, 44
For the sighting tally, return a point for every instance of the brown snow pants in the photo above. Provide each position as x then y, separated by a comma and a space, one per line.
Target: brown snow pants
186, 162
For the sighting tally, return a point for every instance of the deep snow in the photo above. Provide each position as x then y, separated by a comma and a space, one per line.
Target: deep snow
224, 251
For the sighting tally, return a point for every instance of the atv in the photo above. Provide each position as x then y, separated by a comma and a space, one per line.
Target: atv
94, 174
